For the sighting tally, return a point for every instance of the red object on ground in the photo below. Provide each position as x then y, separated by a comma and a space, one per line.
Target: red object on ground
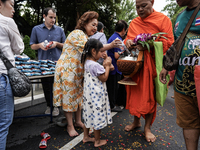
45, 135
197, 83
43, 143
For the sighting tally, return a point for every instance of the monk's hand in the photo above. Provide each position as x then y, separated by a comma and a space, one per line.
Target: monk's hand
129, 43
140, 47
162, 76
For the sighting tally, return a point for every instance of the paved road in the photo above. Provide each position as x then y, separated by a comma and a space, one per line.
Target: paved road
24, 133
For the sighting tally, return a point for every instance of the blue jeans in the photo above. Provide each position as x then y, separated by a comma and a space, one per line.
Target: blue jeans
6, 109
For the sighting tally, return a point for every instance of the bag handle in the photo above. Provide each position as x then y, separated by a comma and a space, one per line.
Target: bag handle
5, 60
182, 36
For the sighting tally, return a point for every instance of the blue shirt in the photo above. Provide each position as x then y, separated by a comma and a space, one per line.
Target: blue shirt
112, 51
40, 33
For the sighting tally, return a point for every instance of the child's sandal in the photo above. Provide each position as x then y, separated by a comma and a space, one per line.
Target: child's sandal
45, 135
43, 143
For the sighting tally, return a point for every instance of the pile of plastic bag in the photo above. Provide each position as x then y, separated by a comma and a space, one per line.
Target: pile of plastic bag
33, 67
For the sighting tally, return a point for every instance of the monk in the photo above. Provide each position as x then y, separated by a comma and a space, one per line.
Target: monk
141, 97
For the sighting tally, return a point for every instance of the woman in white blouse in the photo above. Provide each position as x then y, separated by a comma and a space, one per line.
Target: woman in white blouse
10, 43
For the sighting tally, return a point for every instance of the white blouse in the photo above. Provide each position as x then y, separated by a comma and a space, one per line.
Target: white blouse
10, 40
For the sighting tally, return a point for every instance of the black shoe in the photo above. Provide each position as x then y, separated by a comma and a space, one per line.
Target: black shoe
116, 109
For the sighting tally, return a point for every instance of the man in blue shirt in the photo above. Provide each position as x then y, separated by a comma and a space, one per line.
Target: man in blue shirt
50, 32
116, 92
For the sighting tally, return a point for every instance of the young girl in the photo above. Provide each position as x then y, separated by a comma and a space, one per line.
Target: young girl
96, 107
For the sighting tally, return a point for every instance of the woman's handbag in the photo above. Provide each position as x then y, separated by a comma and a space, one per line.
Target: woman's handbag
20, 83
172, 56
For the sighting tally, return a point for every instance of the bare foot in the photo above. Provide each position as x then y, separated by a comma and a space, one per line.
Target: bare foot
88, 139
150, 137
172, 96
79, 124
100, 143
132, 126
72, 132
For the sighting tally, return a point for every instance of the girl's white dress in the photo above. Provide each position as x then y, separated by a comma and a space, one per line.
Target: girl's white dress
96, 106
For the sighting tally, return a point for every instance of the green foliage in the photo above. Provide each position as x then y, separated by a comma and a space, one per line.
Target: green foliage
172, 10
68, 12
173, 19
27, 49
127, 11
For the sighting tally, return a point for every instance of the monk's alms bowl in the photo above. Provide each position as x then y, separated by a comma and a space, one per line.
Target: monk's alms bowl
129, 65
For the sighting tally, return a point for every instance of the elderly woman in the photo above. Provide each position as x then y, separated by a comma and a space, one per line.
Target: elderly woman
141, 98
68, 88
11, 43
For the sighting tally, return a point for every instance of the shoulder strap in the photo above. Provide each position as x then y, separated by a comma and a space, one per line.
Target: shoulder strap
182, 36
5, 60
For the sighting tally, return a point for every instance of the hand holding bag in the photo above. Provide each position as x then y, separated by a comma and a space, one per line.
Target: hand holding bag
172, 56
20, 83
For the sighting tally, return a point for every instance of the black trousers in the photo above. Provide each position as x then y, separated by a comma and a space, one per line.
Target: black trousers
47, 85
116, 92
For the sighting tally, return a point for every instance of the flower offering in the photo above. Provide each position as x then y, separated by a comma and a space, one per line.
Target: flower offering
147, 39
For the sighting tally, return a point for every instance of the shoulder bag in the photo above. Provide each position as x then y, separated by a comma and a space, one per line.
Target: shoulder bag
172, 56
20, 83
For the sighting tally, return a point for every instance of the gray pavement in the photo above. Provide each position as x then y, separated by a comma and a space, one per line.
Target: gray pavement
25, 133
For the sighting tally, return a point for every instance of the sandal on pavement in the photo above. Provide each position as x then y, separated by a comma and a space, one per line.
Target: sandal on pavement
43, 143
45, 135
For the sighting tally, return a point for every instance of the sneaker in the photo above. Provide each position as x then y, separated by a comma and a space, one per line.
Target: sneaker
116, 109
55, 111
47, 110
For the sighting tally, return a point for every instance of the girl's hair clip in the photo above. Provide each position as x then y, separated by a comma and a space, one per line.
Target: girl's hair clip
85, 51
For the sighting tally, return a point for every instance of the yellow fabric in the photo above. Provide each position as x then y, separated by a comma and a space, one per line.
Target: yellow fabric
67, 88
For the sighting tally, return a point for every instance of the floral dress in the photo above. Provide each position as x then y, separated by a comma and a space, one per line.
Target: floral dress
67, 88
96, 106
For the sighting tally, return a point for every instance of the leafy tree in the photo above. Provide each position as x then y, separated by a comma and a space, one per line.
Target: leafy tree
27, 49
127, 11
172, 10
68, 12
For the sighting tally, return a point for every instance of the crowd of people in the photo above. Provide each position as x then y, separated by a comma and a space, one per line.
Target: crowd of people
86, 76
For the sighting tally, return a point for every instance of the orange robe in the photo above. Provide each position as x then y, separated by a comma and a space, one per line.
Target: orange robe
141, 97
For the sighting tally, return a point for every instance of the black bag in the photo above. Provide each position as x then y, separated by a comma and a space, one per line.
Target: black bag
20, 83
172, 56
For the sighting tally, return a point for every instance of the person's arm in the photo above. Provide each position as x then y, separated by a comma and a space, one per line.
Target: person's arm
114, 43
61, 42
105, 61
17, 44
104, 77
79, 40
57, 44
34, 41
116, 55
107, 64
